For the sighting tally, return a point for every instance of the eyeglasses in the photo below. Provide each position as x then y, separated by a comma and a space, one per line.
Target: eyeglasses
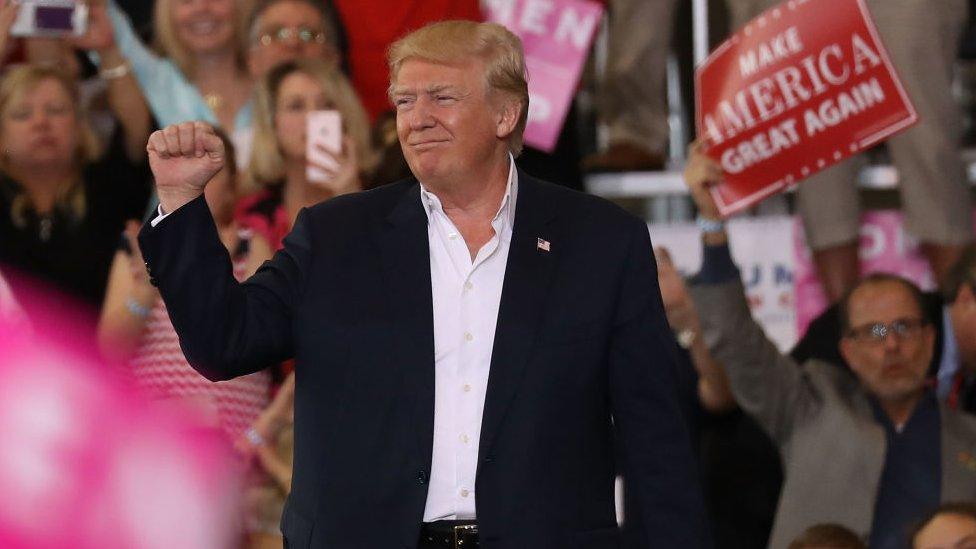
305, 35
904, 328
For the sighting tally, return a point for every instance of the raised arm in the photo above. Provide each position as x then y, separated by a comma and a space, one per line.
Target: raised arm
125, 97
226, 329
714, 393
143, 59
128, 300
767, 384
8, 13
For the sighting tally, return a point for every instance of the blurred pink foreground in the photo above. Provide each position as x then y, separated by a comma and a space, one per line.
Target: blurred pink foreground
86, 462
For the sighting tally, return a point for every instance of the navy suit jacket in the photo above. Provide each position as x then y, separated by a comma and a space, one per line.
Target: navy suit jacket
582, 350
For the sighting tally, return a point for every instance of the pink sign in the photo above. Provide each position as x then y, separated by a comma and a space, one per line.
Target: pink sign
87, 462
556, 35
884, 247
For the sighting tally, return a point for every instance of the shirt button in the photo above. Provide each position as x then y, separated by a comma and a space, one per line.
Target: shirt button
468, 336
465, 439
452, 236
466, 387
468, 285
464, 492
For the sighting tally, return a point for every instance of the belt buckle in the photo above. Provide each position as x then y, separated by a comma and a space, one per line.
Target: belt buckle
461, 529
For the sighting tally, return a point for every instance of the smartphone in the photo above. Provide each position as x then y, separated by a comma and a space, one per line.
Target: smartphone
50, 18
323, 128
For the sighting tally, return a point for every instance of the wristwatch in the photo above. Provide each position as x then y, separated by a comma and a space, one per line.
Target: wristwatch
685, 338
709, 225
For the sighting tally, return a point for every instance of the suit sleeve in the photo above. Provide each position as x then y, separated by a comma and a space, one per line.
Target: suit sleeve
768, 385
658, 464
226, 329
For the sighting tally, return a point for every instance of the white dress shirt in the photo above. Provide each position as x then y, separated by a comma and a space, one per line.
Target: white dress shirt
466, 297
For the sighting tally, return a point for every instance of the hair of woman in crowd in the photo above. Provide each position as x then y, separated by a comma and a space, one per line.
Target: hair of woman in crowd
267, 164
190, 75
15, 85
168, 42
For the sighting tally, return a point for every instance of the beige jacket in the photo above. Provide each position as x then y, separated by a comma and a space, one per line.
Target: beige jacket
819, 416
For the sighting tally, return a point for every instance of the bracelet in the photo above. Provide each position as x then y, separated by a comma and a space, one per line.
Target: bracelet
254, 437
710, 225
137, 309
115, 72
685, 338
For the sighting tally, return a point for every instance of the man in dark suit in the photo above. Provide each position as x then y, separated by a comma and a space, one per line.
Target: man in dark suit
466, 342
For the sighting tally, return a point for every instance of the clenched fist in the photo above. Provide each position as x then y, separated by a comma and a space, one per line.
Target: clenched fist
183, 158
701, 173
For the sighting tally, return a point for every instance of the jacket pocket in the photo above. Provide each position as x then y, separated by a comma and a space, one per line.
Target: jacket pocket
296, 528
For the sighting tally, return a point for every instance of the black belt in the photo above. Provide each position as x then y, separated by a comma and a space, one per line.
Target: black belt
449, 534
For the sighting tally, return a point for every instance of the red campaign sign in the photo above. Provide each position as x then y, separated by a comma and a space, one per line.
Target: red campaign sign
801, 87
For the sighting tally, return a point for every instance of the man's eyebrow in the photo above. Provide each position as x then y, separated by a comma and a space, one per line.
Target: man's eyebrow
429, 90
459, 91
402, 91
968, 539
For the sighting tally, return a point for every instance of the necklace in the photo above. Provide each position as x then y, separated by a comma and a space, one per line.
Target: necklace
214, 101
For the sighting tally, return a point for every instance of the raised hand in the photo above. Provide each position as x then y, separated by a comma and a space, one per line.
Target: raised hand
99, 36
8, 14
678, 305
701, 173
183, 158
344, 175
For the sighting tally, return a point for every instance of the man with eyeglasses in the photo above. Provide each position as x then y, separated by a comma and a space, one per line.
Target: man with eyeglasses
286, 30
870, 448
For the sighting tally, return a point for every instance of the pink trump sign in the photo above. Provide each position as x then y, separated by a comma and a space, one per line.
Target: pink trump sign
884, 247
556, 35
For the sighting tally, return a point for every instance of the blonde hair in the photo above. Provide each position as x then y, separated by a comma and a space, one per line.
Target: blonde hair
20, 81
168, 44
451, 42
267, 165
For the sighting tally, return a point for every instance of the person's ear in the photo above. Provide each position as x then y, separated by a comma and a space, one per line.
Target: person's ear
965, 295
508, 118
928, 332
845, 346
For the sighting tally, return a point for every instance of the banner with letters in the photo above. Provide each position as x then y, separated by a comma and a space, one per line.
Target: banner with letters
801, 87
556, 36
763, 251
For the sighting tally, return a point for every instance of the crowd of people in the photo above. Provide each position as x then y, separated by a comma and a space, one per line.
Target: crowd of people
861, 436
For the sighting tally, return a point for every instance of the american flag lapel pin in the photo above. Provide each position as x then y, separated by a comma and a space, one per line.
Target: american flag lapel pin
541, 244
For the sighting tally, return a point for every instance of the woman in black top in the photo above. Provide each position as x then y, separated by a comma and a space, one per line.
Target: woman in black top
63, 203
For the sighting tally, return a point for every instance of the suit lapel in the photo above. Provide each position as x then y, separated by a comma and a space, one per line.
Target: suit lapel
524, 292
405, 253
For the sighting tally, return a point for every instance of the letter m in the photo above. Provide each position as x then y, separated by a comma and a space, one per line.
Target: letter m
747, 63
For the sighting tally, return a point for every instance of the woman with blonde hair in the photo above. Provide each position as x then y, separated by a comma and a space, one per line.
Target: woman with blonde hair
62, 203
200, 72
278, 172
278, 169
